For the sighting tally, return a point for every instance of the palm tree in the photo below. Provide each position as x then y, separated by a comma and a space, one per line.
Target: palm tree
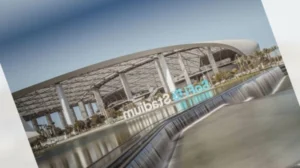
237, 62
259, 58
275, 48
252, 62
267, 52
244, 63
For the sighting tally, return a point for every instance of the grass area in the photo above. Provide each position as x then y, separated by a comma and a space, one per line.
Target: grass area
233, 82
239, 79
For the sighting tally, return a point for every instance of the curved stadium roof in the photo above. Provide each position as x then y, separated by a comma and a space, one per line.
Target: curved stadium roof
139, 68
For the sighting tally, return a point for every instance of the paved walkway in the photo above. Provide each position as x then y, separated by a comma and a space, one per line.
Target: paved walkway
263, 133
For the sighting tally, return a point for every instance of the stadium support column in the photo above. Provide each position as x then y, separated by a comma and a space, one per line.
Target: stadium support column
161, 76
211, 60
49, 119
185, 73
50, 123
74, 114
83, 110
83, 156
166, 73
91, 108
35, 124
125, 86
99, 102
62, 119
70, 119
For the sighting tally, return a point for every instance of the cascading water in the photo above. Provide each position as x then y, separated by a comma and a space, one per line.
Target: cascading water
158, 149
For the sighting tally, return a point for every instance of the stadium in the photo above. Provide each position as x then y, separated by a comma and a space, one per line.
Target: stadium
112, 84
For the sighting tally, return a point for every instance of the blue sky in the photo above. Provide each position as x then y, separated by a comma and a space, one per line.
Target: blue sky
41, 40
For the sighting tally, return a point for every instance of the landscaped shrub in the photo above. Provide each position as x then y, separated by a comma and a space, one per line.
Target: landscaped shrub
79, 125
88, 123
95, 120
102, 118
68, 129
58, 131
228, 75
219, 77
234, 70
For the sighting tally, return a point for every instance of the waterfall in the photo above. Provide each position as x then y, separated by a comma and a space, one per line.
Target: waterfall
157, 151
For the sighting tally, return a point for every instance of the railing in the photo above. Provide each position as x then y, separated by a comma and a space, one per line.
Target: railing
152, 149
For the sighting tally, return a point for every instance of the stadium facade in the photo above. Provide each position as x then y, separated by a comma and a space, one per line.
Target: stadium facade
119, 81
